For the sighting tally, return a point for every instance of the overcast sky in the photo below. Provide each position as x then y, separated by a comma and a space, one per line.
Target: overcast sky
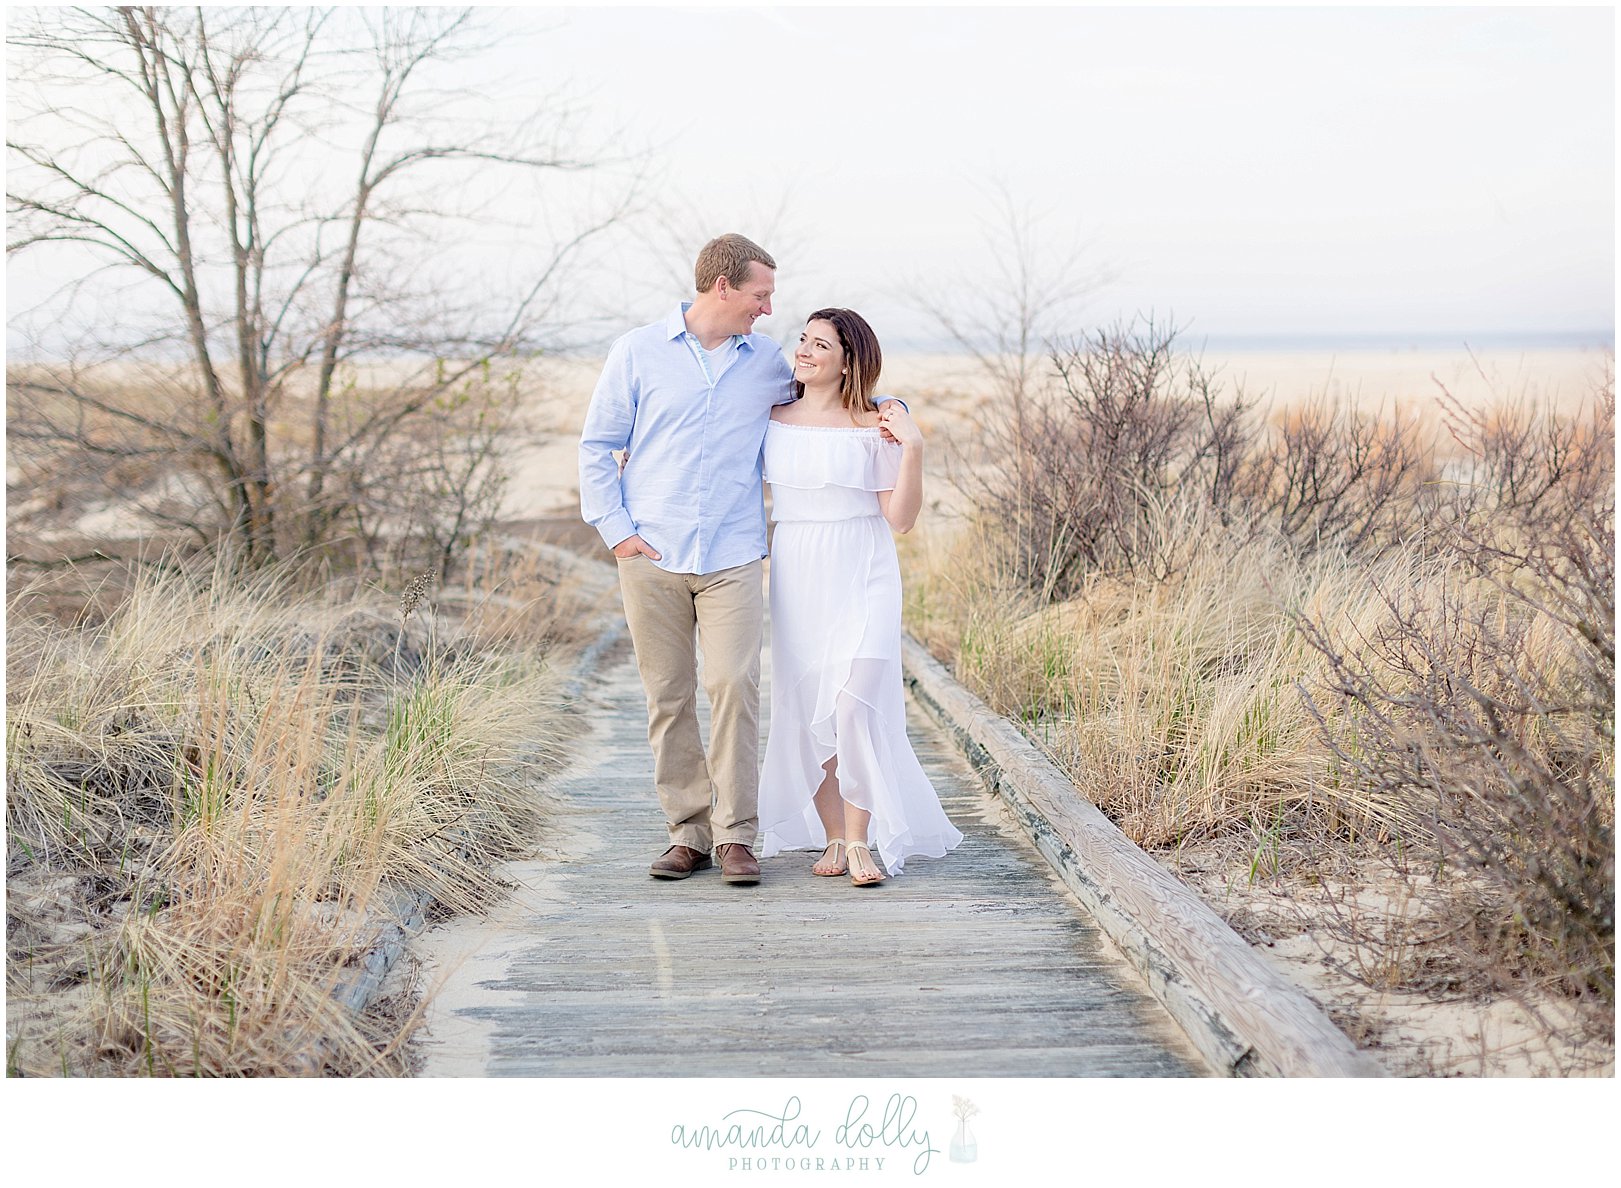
1253, 171
1407, 174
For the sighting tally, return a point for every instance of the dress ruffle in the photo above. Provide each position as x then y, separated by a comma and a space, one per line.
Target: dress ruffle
811, 456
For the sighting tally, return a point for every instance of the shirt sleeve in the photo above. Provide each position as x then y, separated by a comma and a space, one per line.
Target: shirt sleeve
784, 379
880, 399
609, 420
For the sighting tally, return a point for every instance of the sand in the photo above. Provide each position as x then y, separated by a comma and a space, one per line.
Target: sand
1304, 927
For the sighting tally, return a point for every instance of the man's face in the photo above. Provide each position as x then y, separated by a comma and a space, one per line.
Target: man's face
750, 300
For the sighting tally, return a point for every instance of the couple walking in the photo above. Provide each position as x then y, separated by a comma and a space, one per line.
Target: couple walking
702, 406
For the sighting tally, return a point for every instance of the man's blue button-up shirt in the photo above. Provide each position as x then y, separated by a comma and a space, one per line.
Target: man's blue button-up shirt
691, 485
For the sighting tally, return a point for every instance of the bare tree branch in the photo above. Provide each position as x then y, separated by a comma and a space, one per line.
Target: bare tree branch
194, 148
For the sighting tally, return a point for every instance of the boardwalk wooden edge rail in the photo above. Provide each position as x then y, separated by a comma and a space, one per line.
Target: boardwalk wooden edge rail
1240, 1013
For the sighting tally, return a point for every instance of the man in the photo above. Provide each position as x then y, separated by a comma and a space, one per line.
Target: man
688, 399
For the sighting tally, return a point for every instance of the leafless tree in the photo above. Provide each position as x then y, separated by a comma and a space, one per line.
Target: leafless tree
290, 189
1008, 316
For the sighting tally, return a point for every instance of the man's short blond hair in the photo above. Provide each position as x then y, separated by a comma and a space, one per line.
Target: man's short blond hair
730, 256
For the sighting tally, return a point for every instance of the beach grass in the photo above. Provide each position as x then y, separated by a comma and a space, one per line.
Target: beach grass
220, 793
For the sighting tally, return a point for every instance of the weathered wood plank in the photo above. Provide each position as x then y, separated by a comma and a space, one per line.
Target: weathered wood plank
980, 963
1241, 1013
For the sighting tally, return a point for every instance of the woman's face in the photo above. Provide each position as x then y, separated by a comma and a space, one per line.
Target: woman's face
819, 359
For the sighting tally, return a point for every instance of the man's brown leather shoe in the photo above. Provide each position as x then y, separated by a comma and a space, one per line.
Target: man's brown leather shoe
678, 862
737, 863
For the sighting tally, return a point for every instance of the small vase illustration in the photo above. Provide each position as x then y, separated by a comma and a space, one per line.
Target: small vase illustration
963, 1147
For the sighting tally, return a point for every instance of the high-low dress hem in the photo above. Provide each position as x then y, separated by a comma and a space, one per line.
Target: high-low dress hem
835, 650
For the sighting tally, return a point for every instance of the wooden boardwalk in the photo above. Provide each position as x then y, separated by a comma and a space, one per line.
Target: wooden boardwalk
978, 964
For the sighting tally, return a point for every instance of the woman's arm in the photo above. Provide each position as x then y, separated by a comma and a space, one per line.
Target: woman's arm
902, 505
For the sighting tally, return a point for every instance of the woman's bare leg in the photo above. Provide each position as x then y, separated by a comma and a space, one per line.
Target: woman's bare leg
856, 823
830, 807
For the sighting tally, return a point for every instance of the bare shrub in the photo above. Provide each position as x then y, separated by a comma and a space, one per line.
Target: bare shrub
1078, 481
1487, 700
1135, 435
1329, 472
1527, 461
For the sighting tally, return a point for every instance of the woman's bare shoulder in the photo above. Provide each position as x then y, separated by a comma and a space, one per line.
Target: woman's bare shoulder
798, 415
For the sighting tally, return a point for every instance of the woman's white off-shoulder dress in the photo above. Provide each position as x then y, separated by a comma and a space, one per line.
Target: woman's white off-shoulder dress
835, 649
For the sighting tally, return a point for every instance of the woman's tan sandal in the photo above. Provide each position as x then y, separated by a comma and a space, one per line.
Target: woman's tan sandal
870, 877
835, 844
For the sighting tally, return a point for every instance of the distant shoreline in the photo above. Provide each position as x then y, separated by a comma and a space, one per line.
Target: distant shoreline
1316, 343
1596, 340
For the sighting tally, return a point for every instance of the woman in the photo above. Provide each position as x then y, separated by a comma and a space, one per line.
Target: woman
839, 773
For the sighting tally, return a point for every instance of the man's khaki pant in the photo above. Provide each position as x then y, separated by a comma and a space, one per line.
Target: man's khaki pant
714, 801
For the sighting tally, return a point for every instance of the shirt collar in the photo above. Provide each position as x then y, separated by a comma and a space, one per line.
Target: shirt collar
676, 325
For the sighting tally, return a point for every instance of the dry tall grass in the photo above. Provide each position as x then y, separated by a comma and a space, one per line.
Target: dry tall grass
1174, 703
214, 798
1326, 634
